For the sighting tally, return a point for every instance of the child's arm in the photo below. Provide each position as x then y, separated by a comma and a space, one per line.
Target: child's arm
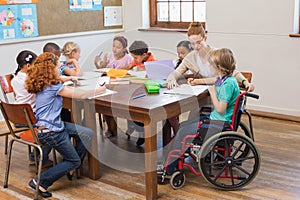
243, 81
103, 63
219, 106
201, 81
77, 93
128, 67
73, 72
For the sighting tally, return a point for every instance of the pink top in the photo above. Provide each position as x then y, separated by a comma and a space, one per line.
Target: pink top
113, 63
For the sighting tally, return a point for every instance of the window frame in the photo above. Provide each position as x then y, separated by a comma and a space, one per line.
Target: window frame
168, 25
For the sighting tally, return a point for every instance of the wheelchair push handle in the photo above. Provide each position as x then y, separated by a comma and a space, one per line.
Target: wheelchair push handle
249, 94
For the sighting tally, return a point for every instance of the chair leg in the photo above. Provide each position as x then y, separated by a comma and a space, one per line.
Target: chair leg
29, 151
54, 157
8, 163
100, 121
36, 162
38, 173
6, 144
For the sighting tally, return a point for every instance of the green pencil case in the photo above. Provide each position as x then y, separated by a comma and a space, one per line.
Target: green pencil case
152, 86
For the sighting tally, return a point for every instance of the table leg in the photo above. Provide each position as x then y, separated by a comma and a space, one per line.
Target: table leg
150, 161
111, 124
166, 132
90, 122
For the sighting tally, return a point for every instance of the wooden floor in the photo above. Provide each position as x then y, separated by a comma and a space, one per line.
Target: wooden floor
278, 178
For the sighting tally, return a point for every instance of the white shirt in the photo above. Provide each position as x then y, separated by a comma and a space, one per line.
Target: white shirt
21, 94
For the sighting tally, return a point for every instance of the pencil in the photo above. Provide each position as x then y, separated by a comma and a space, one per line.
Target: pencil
138, 96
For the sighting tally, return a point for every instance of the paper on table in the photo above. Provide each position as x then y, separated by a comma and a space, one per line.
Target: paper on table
103, 80
103, 70
139, 74
107, 92
188, 89
68, 83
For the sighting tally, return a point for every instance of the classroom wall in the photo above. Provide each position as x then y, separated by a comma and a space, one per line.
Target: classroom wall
256, 30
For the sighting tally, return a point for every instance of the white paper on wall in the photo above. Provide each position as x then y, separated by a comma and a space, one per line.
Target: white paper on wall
113, 16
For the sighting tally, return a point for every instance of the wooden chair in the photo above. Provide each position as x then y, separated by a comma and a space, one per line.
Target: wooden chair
22, 114
6, 88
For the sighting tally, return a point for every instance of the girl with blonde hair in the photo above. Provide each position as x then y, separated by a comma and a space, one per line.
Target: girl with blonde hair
71, 67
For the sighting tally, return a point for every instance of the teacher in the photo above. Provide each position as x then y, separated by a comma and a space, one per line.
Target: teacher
196, 61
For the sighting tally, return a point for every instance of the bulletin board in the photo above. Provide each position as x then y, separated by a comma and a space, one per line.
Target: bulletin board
54, 17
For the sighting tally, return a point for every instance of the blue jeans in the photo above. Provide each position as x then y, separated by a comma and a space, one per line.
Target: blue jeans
72, 156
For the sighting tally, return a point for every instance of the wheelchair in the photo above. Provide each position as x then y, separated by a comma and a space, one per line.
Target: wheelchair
226, 158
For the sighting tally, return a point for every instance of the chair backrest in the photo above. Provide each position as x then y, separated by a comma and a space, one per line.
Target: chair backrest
248, 76
5, 84
18, 114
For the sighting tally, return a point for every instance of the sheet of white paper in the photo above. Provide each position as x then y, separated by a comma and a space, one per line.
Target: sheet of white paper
139, 74
188, 89
107, 92
103, 80
69, 83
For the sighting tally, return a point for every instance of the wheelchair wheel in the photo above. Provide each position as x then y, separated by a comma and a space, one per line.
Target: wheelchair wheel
177, 180
221, 163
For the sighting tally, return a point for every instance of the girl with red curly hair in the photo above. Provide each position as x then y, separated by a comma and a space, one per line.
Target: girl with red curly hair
44, 80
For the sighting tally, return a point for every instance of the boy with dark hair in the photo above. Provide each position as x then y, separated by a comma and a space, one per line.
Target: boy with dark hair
52, 48
140, 54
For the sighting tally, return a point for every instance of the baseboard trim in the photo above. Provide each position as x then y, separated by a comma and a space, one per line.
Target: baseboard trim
274, 115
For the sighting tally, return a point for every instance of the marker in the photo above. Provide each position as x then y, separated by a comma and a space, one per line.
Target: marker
138, 96
100, 54
102, 83
114, 66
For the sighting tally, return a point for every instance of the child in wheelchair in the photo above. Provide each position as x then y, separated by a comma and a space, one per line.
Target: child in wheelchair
223, 96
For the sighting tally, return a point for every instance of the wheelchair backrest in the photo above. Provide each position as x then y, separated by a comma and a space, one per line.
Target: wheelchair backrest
238, 110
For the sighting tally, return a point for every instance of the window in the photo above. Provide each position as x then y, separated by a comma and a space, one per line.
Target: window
176, 13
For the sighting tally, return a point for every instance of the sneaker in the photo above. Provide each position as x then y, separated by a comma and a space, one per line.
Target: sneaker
45, 194
140, 141
128, 135
108, 134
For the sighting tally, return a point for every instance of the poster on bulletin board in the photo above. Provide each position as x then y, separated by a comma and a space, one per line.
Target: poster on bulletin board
17, 1
85, 5
18, 21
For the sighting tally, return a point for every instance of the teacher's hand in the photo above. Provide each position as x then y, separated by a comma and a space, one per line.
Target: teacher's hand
172, 83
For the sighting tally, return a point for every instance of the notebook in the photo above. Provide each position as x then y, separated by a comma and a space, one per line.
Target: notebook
159, 69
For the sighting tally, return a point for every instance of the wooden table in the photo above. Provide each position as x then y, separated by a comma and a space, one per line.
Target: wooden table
149, 110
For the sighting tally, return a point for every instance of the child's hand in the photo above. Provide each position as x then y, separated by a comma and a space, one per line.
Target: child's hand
75, 81
97, 60
191, 81
71, 61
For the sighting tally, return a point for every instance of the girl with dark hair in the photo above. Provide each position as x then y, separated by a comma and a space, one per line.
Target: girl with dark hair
24, 60
119, 56
184, 47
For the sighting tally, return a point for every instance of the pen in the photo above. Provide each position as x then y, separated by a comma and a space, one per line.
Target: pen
100, 54
102, 83
138, 96
114, 66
